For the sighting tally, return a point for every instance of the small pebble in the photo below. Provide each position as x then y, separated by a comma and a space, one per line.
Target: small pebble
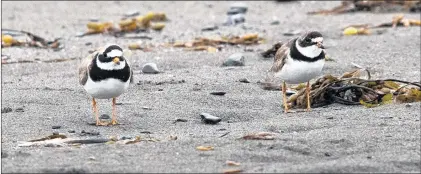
210, 28
328, 154
146, 108
56, 127
244, 80
125, 138
146, 132
104, 117
91, 158
71, 131
6, 110
408, 105
209, 119
242, 7
276, 22
88, 43
131, 14
150, 68
235, 19
236, 59
234, 11
180, 120
19, 110
4, 155
93, 19
221, 93
329, 118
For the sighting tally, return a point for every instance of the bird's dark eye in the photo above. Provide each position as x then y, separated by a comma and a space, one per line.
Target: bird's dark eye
308, 40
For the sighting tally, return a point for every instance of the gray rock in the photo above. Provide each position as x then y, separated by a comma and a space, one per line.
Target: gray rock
234, 11
132, 14
236, 59
19, 110
150, 68
218, 93
275, 22
235, 19
104, 117
6, 110
244, 80
210, 28
55, 127
210, 119
242, 7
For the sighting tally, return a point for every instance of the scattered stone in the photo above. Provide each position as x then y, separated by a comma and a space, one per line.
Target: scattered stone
91, 133
242, 7
244, 80
150, 68
71, 131
146, 132
275, 22
236, 59
93, 20
104, 117
126, 138
6, 110
91, 158
235, 19
56, 127
209, 119
289, 92
386, 117
330, 118
210, 28
369, 157
131, 14
222, 129
180, 120
19, 110
328, 154
146, 108
4, 154
234, 11
88, 43
118, 103
292, 33
221, 93
408, 105
160, 89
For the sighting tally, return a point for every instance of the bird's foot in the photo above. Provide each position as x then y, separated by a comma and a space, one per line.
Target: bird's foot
100, 123
113, 122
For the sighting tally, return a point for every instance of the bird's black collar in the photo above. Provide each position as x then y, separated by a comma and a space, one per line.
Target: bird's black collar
296, 55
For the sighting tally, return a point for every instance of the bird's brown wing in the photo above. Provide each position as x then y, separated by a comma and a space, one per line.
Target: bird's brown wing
84, 67
281, 56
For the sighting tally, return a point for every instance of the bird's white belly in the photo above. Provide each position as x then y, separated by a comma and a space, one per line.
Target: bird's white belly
295, 71
106, 89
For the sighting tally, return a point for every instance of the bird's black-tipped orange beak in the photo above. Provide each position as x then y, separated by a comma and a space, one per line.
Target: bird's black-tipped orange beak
320, 45
116, 60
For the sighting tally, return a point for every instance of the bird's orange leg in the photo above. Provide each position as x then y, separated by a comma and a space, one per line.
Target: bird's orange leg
308, 96
284, 96
113, 117
98, 122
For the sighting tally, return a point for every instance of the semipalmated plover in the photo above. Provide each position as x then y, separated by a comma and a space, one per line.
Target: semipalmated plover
106, 74
298, 61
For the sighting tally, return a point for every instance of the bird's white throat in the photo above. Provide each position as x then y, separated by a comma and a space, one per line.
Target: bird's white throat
310, 51
110, 65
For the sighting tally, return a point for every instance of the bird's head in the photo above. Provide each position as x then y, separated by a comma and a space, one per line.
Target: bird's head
111, 58
310, 44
